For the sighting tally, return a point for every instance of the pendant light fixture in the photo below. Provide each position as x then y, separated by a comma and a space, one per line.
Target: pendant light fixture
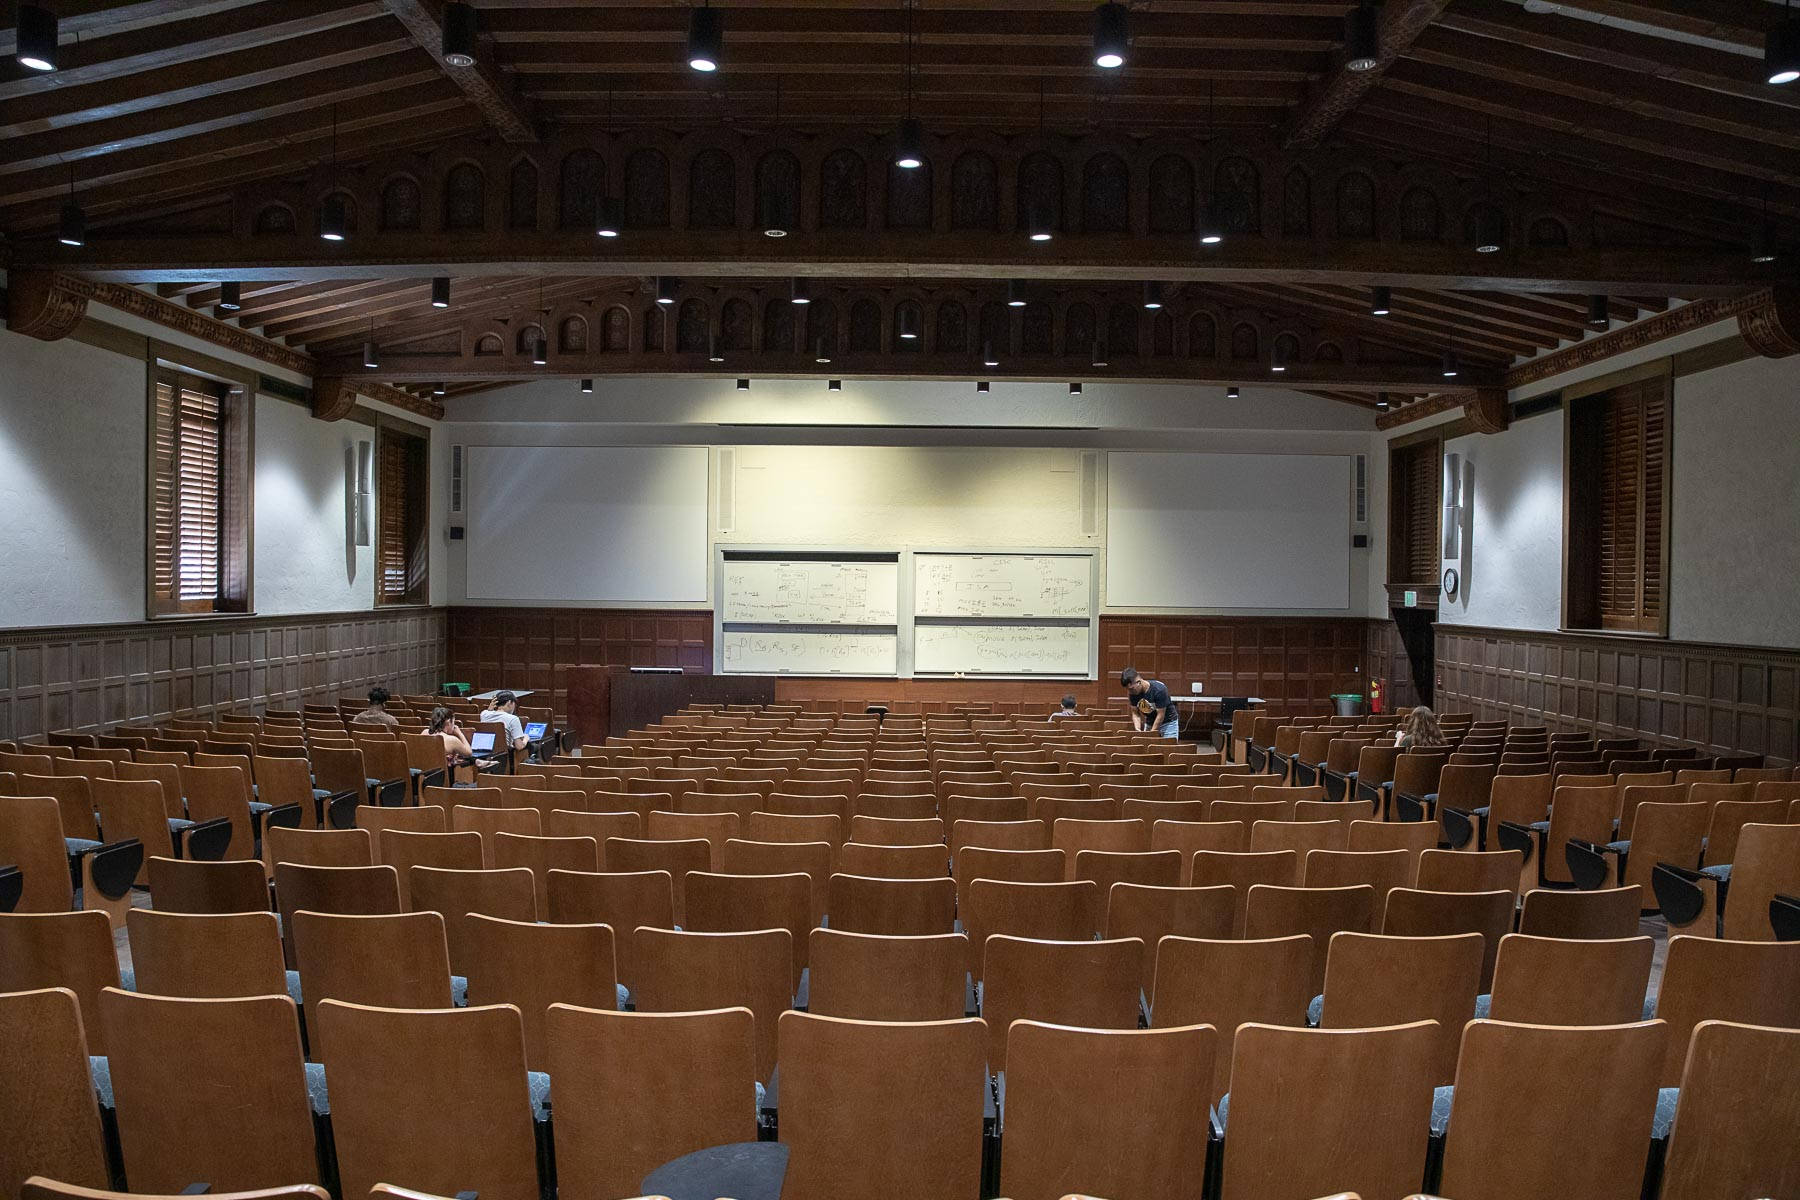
1451, 369
743, 385
1382, 402
909, 145
1381, 301
459, 35
665, 289
981, 387
334, 218
909, 324
1278, 359
1490, 224
1038, 225
1099, 354
1362, 37
802, 291
1212, 230
612, 217
820, 355
540, 349
988, 357
71, 226
1781, 50
834, 385
36, 38
587, 387
371, 354
440, 292
1111, 36
706, 38
1015, 293
1766, 250
438, 388
230, 297
1597, 316
1074, 389
1232, 393
1153, 294
712, 348
776, 209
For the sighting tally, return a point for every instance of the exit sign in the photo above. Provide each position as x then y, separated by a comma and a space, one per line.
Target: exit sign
1410, 599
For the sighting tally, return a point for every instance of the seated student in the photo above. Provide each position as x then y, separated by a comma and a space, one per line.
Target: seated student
1067, 709
376, 713
1151, 709
1421, 731
503, 709
457, 751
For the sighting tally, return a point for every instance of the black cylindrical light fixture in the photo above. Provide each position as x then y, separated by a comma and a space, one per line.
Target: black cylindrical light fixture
71, 227
1153, 294
612, 217
743, 385
1597, 315
1232, 393
1111, 36
820, 354
834, 385
540, 352
1381, 301
1450, 367
1781, 50
1278, 360
587, 387
1212, 232
1015, 293
371, 355
706, 39
230, 296
712, 348
440, 291
1490, 229
909, 324
438, 388
909, 145
1099, 353
981, 386
334, 218
1382, 402
1038, 226
1074, 389
36, 38
801, 292
1765, 251
665, 289
774, 213
988, 357
459, 35
1362, 37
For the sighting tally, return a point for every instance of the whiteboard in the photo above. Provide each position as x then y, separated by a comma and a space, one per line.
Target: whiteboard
810, 593
1267, 531
1001, 649
795, 653
621, 525
1002, 585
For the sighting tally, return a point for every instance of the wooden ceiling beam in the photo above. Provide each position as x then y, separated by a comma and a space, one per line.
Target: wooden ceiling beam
882, 65
487, 89
1521, 320
77, 19
1424, 331
1735, 22
1401, 23
303, 300
410, 316
1253, 85
167, 45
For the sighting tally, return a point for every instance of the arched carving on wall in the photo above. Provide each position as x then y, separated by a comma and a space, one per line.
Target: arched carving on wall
580, 185
1203, 336
1328, 352
1237, 192
1245, 345
1040, 189
778, 191
1548, 232
1286, 348
1080, 328
865, 327
1421, 216
646, 189
615, 330
273, 218
571, 336
778, 326
1355, 206
1037, 330
1171, 195
690, 328
712, 190
489, 344
974, 192
821, 327
843, 191
1122, 329
1296, 204
656, 321
349, 210
737, 326
527, 338
952, 335
995, 332
402, 204
1162, 334
1106, 195
908, 314
909, 197
522, 195
465, 197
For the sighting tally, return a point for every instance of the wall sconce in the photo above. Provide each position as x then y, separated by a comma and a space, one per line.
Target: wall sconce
1453, 503
363, 488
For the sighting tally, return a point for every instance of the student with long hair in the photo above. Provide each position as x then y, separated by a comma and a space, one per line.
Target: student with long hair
1422, 731
457, 752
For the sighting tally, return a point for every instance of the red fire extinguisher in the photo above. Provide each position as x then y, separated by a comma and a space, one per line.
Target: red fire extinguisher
1377, 695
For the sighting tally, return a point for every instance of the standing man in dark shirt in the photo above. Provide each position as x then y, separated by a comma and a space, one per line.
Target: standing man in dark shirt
1151, 707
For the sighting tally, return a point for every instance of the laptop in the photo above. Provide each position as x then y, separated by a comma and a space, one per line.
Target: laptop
534, 732
481, 743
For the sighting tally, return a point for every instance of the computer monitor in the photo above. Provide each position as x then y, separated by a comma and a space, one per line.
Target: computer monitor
534, 732
481, 743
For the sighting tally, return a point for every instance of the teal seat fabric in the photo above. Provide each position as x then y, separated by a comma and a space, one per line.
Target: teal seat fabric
459, 991
257, 806
624, 997
179, 824
1666, 1099
101, 1071
539, 1083
1541, 826
1722, 872
1315, 1011
128, 979
1484, 1004
1441, 1098
293, 988
79, 845
315, 1089
1623, 847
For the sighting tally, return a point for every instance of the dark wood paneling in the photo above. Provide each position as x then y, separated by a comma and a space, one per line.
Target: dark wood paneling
1295, 663
1384, 658
530, 647
1726, 699
96, 676
851, 696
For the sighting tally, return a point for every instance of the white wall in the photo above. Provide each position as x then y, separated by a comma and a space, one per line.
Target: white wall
306, 560
1510, 556
72, 428
1735, 505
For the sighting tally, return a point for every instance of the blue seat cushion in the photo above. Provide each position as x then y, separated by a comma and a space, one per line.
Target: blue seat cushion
624, 997
1666, 1099
293, 988
1722, 872
1315, 1011
459, 991
1623, 846
1480, 812
1541, 826
127, 978
539, 1083
178, 824
101, 1071
1484, 1004
257, 806
316, 1091
76, 846
1441, 1099
322, 793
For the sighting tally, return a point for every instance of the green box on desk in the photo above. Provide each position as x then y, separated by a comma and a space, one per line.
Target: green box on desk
454, 689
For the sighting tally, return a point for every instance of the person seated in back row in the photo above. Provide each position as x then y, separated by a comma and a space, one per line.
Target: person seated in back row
376, 713
1067, 709
1151, 708
503, 709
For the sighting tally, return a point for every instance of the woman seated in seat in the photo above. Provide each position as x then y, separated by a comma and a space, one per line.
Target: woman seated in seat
1421, 731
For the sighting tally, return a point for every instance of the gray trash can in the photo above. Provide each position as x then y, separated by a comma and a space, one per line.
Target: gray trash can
1349, 704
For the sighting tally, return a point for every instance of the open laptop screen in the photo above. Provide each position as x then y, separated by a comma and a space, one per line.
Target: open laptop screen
534, 732
481, 743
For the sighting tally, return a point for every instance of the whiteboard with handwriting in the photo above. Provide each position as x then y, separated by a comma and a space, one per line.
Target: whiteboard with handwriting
760, 592
1001, 649
1002, 585
811, 653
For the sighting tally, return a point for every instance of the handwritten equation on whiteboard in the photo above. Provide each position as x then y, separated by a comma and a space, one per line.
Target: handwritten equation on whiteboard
811, 653
1002, 585
1001, 649
811, 593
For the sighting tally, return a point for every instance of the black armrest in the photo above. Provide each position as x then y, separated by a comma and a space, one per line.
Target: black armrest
1458, 827
1410, 808
431, 778
206, 841
1784, 915
1514, 836
12, 886
1587, 863
323, 806
391, 793
340, 811
114, 866
1678, 893
286, 816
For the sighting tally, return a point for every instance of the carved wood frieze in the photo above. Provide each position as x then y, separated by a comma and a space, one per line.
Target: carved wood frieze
46, 305
1487, 410
1772, 325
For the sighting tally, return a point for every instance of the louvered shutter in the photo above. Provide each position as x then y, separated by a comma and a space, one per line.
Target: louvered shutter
187, 495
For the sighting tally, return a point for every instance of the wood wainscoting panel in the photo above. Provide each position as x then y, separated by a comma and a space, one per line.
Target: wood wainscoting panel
91, 677
1724, 699
1295, 663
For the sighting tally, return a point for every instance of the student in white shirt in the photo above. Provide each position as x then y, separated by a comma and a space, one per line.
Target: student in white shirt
1068, 709
503, 710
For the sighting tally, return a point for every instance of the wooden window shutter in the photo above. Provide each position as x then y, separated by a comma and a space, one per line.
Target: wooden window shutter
1413, 482
400, 557
189, 520
1633, 452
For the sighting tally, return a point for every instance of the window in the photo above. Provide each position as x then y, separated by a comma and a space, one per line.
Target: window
1414, 473
199, 496
1616, 548
400, 547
